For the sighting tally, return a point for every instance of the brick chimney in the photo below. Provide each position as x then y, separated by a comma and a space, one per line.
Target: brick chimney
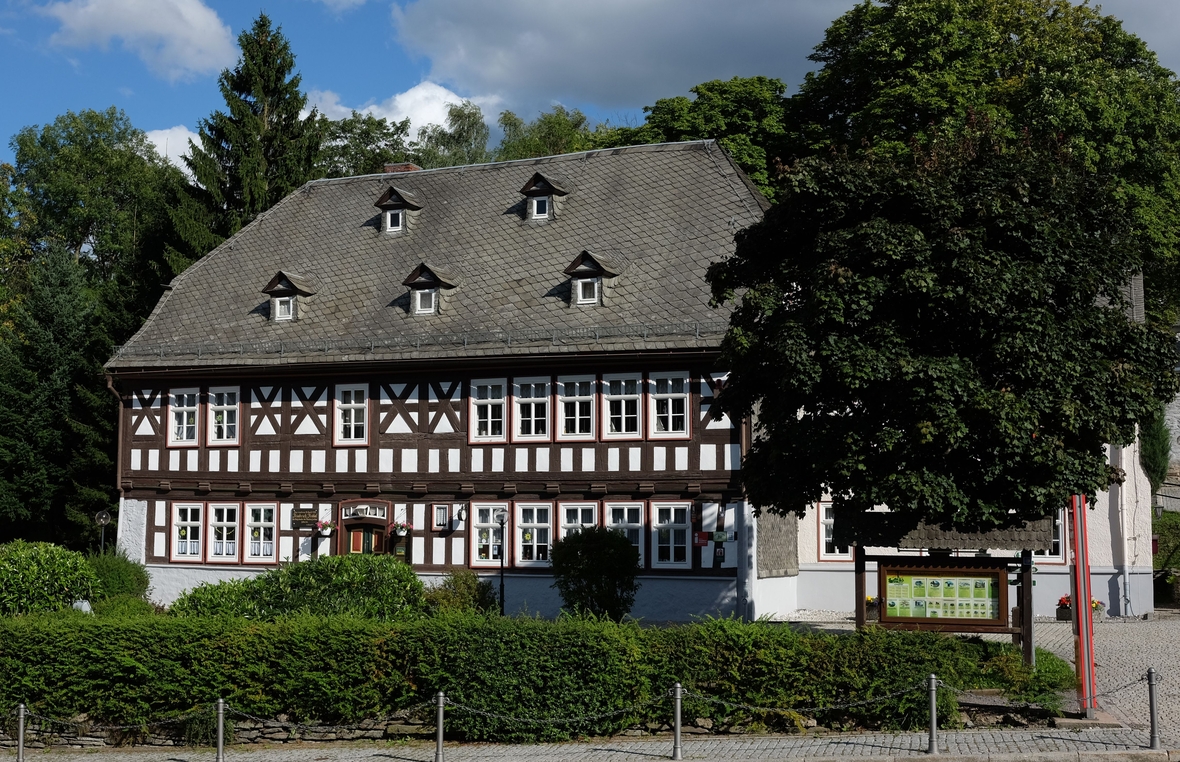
403, 167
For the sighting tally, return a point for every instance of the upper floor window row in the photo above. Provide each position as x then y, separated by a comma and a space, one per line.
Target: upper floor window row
221, 411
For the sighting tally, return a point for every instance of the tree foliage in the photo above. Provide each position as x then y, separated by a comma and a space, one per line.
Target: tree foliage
943, 333
550, 134
361, 144
595, 571
463, 140
1155, 449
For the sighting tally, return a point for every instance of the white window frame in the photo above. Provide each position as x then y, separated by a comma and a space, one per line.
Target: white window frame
418, 293
188, 524
562, 398
640, 510
443, 511
261, 526
537, 215
219, 523
1059, 537
351, 406
568, 527
234, 408
490, 402
579, 297
655, 397
623, 398
388, 219
518, 401
292, 306
826, 525
537, 530
194, 410
493, 529
671, 528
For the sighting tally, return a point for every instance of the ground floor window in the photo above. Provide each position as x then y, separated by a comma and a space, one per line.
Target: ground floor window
628, 519
489, 539
260, 531
533, 529
186, 526
223, 526
671, 525
827, 521
366, 540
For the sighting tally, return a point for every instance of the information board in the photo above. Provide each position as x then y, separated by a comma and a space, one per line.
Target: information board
924, 594
304, 516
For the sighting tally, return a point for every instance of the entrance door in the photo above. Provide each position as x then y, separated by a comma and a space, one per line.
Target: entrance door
366, 540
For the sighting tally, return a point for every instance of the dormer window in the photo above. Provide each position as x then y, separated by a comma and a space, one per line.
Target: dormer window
284, 291
425, 301
540, 208
541, 193
393, 220
586, 290
396, 205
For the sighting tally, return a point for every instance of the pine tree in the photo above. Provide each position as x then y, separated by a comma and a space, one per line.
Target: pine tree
1155, 449
254, 155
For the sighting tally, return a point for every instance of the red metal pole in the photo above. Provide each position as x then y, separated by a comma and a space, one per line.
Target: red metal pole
1083, 615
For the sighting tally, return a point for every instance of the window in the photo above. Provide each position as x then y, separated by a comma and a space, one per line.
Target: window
223, 527
260, 532
223, 416
586, 290
827, 520
425, 301
284, 308
532, 408
533, 530
1055, 552
669, 405
186, 524
363, 511
670, 533
183, 414
576, 516
621, 399
442, 516
350, 414
393, 220
366, 540
628, 519
539, 207
575, 404
489, 541
487, 410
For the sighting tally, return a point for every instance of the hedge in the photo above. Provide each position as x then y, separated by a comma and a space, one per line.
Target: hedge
39, 577
345, 670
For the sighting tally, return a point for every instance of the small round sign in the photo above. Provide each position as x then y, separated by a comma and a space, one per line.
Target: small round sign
102, 518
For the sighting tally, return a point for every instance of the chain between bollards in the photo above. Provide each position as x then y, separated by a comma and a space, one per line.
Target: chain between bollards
1152, 678
20, 733
441, 698
220, 730
677, 696
933, 688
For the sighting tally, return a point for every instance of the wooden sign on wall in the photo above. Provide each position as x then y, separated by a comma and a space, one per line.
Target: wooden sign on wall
304, 516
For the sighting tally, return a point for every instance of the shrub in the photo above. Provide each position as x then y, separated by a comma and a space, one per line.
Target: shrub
368, 586
342, 670
123, 606
38, 577
462, 590
118, 575
595, 571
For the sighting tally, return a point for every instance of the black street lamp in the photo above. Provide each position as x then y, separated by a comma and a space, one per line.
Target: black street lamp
501, 517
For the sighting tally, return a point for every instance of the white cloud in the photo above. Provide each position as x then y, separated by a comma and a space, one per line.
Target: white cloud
342, 5
175, 38
424, 103
172, 143
611, 53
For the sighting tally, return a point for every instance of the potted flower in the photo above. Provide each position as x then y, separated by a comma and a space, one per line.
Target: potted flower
871, 608
1098, 607
402, 528
325, 527
1064, 612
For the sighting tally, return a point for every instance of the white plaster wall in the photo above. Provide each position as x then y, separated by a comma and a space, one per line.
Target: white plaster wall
170, 580
132, 529
809, 537
775, 597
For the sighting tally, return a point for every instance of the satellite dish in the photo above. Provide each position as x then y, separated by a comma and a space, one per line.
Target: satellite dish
102, 518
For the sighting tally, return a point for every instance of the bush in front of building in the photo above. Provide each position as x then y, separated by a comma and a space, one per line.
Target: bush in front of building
39, 577
118, 575
345, 670
595, 570
378, 587
461, 590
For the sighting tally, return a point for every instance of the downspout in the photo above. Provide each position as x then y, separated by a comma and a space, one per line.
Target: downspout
119, 438
1116, 493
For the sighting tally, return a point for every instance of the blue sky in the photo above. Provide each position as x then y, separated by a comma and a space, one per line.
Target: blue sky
159, 59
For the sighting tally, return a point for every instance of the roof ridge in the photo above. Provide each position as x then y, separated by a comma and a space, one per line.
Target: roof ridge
639, 148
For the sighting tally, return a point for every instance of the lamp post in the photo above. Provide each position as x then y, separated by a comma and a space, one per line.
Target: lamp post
501, 517
102, 518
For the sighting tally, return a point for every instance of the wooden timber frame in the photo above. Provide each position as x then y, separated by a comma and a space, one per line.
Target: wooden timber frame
1021, 627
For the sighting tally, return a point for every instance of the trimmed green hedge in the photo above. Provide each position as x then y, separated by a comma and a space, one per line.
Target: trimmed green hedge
345, 670
39, 577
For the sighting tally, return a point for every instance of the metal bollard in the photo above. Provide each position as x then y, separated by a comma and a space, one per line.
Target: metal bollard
933, 688
441, 698
677, 695
20, 733
220, 730
1152, 678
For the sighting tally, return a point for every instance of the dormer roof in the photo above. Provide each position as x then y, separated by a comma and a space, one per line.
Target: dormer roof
590, 264
547, 184
287, 283
426, 275
398, 198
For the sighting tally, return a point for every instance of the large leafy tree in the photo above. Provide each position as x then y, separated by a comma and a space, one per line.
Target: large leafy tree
463, 140
361, 144
943, 332
251, 155
551, 133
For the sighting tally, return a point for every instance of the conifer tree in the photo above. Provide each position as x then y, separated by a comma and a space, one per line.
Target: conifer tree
251, 155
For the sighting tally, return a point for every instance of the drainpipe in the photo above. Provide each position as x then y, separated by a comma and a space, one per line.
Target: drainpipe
1116, 493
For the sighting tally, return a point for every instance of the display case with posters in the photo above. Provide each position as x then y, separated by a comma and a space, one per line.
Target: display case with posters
947, 596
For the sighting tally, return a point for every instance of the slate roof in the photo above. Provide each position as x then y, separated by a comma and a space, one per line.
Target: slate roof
668, 210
